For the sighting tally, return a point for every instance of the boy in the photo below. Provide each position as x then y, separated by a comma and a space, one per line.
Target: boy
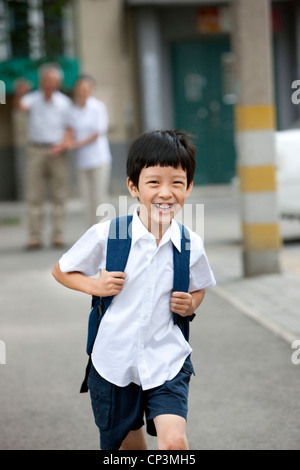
140, 358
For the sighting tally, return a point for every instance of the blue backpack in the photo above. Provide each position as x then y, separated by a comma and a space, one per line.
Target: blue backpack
118, 248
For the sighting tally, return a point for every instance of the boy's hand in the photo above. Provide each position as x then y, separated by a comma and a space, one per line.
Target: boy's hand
109, 283
182, 303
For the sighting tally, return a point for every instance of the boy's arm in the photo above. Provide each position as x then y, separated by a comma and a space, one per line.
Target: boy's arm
184, 303
109, 283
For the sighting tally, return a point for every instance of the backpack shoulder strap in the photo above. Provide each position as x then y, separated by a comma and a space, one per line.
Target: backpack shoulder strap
181, 260
118, 247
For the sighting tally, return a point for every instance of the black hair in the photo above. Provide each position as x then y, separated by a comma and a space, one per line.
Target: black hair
163, 148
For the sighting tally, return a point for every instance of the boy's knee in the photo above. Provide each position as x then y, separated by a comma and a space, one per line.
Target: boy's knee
135, 440
174, 441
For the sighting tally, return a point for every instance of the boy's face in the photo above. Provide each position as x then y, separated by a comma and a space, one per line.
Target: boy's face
161, 192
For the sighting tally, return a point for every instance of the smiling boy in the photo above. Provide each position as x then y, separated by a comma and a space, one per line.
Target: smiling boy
141, 360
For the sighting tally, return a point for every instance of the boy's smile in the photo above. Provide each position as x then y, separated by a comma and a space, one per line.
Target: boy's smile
164, 208
161, 191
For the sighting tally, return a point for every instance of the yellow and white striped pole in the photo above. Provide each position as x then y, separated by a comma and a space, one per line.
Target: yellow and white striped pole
255, 139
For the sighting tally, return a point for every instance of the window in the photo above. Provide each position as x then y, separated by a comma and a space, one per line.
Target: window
36, 29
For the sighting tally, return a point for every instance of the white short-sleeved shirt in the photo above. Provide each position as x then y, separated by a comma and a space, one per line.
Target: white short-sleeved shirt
46, 119
85, 121
137, 340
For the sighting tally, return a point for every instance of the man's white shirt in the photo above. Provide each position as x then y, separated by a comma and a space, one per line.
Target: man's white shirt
46, 118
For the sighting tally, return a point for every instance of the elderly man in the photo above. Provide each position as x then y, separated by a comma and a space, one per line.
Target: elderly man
47, 109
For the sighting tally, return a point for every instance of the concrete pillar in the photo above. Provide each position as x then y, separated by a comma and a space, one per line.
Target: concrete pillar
255, 125
149, 59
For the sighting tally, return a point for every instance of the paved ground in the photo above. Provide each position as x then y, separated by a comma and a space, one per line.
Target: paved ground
245, 392
272, 300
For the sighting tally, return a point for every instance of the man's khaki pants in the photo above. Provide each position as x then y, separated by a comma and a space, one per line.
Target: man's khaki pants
43, 171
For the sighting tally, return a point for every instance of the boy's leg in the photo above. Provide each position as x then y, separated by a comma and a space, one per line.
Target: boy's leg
118, 412
167, 408
171, 432
135, 440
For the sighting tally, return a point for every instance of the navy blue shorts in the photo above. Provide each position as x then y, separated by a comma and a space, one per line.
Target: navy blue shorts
119, 410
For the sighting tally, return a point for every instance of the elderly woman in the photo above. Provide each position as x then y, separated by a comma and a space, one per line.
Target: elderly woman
87, 134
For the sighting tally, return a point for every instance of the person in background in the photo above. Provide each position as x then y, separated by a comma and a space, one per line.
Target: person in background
87, 127
47, 110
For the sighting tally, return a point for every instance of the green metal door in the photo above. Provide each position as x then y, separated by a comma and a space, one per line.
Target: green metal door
201, 106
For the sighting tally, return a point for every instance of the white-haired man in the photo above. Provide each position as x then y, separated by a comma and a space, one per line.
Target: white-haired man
47, 108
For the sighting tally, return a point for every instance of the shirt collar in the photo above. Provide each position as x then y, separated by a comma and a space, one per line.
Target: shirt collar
52, 99
140, 231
